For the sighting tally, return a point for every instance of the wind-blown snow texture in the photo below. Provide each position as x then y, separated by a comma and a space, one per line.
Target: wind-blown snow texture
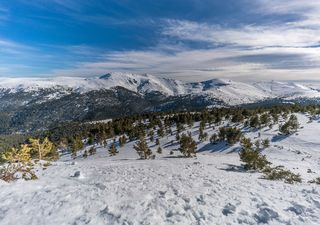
209, 189
228, 91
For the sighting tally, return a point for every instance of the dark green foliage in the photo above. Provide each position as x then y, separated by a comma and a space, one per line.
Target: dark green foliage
279, 173
188, 146
246, 143
122, 140
63, 134
90, 140
12, 141
265, 120
113, 150
92, 150
255, 122
177, 136
253, 159
265, 143
75, 145
315, 181
237, 117
159, 150
231, 135
214, 138
290, 127
85, 154
142, 148
160, 132
4, 122
257, 144
151, 135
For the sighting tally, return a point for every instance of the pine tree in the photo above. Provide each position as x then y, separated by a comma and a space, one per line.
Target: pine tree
160, 132
113, 150
105, 143
76, 145
92, 150
159, 150
290, 127
255, 122
257, 145
122, 140
202, 135
151, 135
246, 143
266, 143
90, 140
253, 159
142, 148
157, 141
188, 146
177, 136
265, 119
214, 138
85, 154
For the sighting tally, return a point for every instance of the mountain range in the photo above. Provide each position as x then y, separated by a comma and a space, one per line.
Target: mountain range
28, 104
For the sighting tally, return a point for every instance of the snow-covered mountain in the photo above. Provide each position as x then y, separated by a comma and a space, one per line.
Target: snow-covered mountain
24, 100
227, 91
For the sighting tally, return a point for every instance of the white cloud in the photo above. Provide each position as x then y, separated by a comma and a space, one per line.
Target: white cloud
251, 51
250, 35
198, 64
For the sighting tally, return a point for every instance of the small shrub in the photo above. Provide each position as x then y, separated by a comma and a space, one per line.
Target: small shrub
113, 150
290, 127
315, 181
13, 171
265, 143
214, 139
253, 159
92, 150
85, 154
279, 173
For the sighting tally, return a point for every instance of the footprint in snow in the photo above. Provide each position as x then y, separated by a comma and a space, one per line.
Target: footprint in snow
78, 175
228, 209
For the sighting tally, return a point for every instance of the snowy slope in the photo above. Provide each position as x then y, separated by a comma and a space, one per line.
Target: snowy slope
209, 189
290, 90
134, 82
231, 92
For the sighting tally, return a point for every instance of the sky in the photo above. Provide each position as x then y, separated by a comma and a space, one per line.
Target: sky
182, 39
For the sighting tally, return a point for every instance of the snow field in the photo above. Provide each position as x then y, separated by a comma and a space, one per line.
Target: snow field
210, 189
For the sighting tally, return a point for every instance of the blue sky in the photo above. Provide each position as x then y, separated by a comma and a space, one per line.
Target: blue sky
184, 39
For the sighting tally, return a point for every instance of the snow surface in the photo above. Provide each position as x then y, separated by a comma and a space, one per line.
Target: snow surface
231, 92
209, 189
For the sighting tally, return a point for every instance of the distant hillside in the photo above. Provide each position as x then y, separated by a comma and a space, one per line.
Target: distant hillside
34, 103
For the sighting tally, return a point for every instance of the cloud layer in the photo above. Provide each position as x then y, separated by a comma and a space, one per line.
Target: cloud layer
272, 40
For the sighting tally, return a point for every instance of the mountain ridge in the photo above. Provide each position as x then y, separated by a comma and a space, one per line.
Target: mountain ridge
24, 100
